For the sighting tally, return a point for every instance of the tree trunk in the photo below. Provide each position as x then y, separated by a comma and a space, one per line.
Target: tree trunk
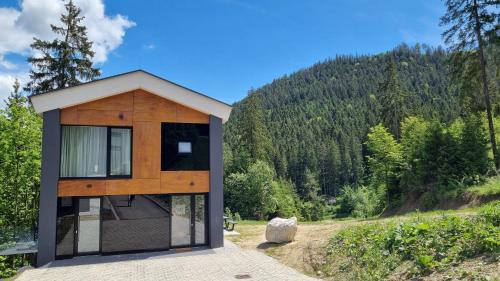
484, 78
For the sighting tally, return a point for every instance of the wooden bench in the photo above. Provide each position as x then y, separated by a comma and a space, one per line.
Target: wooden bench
230, 223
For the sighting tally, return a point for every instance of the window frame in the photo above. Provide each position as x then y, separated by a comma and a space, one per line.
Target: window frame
108, 152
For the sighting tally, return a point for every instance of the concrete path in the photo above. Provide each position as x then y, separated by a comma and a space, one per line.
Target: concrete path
228, 263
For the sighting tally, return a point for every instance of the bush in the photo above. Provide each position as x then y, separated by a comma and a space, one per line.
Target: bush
284, 200
373, 251
257, 194
491, 213
10, 264
313, 210
362, 201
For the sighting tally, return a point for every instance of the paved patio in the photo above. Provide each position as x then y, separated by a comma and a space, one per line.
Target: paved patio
228, 263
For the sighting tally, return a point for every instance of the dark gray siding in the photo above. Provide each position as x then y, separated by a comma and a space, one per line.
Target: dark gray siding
48, 188
216, 197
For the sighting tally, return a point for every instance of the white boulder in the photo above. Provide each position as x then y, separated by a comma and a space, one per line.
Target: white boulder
280, 230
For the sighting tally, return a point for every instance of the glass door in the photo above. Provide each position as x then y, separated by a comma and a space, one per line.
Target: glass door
189, 220
89, 225
181, 220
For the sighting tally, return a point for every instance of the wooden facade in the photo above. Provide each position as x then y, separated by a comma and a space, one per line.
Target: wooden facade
144, 112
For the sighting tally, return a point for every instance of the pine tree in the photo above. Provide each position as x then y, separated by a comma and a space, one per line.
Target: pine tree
67, 60
254, 134
470, 22
392, 100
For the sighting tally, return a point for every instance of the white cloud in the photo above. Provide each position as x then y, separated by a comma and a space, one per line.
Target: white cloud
6, 83
33, 19
18, 27
150, 46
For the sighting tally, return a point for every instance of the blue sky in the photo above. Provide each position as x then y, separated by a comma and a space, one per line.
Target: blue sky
224, 47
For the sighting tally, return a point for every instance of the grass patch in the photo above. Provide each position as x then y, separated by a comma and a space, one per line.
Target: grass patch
489, 188
421, 245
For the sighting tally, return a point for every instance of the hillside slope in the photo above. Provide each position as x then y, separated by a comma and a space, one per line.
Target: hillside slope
318, 117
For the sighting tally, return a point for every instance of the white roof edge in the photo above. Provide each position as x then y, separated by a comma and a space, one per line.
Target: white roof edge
114, 85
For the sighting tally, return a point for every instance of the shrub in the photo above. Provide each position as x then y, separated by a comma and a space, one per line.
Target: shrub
373, 251
362, 201
491, 213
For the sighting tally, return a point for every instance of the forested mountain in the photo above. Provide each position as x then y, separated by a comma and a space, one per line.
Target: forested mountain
317, 119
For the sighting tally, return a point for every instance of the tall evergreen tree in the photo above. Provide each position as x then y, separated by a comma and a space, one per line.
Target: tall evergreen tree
65, 61
470, 22
392, 100
254, 134
20, 145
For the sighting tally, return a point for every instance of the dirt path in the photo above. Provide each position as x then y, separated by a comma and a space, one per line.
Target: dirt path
310, 242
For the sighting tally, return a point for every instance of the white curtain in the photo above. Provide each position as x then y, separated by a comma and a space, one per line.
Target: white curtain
120, 152
83, 151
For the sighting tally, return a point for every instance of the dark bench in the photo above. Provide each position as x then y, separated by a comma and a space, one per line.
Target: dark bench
230, 223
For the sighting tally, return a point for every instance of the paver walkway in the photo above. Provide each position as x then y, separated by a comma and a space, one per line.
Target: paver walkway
228, 263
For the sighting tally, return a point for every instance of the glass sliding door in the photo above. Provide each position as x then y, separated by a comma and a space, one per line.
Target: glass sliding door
200, 220
181, 220
89, 225
65, 227
189, 220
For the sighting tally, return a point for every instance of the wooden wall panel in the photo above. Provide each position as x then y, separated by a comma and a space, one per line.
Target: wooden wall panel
149, 107
188, 115
146, 150
185, 181
81, 188
121, 102
69, 115
132, 186
145, 112
105, 117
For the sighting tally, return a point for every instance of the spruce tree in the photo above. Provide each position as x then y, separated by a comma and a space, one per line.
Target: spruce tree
470, 22
65, 61
392, 100
254, 134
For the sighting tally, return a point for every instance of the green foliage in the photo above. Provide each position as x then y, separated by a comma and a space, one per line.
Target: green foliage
258, 194
432, 160
372, 251
491, 187
67, 60
472, 26
6, 268
20, 161
284, 199
392, 99
385, 155
314, 210
361, 201
254, 137
310, 187
491, 213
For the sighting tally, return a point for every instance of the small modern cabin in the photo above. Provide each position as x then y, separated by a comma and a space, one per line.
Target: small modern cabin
130, 163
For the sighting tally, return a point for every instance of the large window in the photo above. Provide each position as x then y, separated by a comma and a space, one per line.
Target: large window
86, 150
184, 147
